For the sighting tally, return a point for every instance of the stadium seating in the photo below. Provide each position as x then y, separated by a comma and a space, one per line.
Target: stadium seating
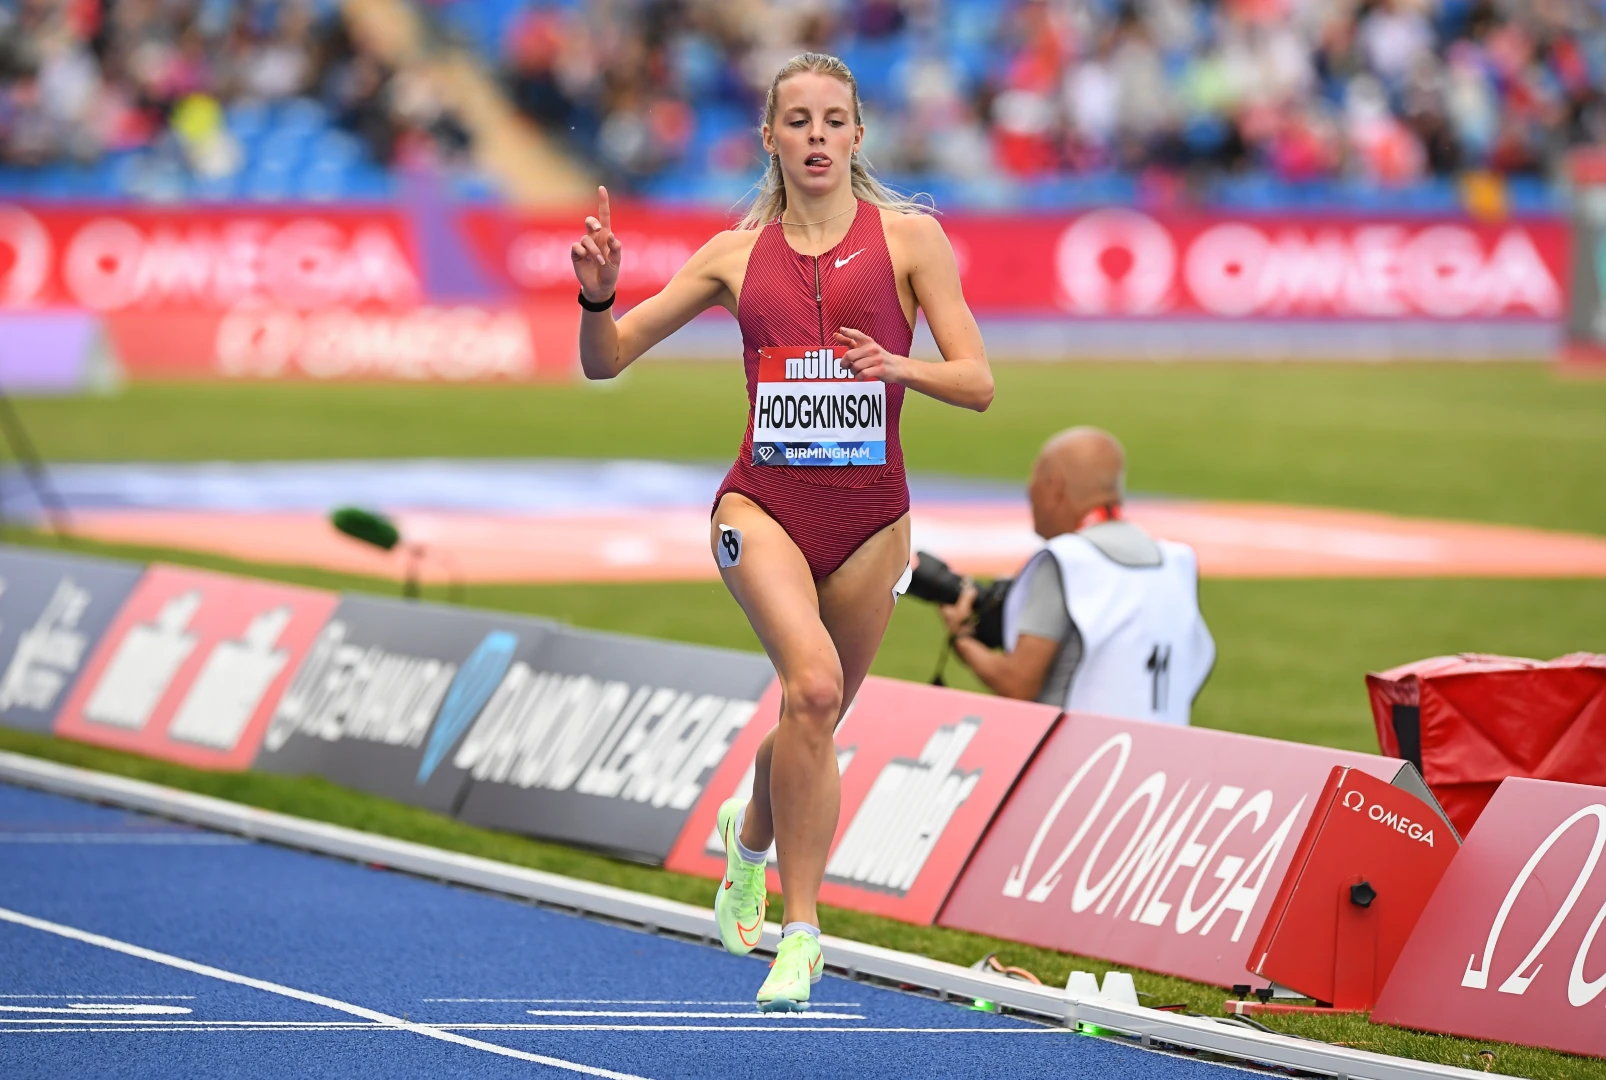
664, 103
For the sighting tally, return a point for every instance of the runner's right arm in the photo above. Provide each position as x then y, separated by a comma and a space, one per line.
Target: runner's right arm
609, 345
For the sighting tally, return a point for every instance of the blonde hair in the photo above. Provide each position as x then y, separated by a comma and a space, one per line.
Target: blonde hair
769, 198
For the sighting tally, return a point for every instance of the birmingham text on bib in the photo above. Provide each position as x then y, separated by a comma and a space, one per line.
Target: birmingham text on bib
808, 411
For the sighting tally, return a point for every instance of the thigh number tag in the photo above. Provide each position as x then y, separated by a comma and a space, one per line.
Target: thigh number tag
730, 547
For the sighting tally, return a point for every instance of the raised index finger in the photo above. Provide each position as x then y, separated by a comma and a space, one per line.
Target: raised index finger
603, 213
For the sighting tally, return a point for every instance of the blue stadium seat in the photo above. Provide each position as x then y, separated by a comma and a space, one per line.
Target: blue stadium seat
268, 182
879, 67
323, 181
336, 147
367, 182
281, 148
217, 188
304, 116
246, 120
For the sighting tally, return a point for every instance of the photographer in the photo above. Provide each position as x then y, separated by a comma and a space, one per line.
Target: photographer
1105, 618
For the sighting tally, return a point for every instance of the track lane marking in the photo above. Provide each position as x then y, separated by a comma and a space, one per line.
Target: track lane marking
86, 1008
105, 1027
385, 1019
87, 997
669, 1014
611, 1001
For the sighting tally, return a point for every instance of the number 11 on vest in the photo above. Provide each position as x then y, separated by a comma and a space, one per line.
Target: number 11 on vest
809, 411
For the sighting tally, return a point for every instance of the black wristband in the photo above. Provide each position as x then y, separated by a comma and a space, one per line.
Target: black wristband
604, 306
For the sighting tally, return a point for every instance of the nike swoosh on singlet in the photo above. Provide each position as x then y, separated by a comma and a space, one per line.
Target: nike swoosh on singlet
840, 263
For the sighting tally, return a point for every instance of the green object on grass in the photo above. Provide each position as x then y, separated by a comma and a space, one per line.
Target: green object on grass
366, 525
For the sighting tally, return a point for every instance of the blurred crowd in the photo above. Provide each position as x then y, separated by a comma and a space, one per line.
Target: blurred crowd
199, 81
660, 93
1389, 91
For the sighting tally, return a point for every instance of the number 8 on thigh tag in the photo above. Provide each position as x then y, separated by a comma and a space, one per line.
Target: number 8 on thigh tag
730, 547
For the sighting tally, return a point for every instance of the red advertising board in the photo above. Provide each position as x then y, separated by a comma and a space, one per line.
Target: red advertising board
445, 343
531, 252
1364, 869
1123, 263
193, 666
131, 258
1510, 947
270, 292
1147, 844
924, 770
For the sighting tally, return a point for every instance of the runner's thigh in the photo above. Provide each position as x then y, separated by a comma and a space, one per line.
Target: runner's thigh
856, 601
772, 583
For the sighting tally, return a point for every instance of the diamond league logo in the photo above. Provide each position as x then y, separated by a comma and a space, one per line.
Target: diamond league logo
476, 681
765, 452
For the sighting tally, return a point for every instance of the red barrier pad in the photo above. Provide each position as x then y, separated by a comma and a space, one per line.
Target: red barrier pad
924, 770
1147, 844
193, 666
1511, 945
1470, 721
1362, 873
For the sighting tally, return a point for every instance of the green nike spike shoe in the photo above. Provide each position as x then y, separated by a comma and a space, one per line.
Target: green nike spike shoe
743, 895
798, 965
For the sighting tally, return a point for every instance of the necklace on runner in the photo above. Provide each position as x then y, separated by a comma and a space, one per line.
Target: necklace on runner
822, 221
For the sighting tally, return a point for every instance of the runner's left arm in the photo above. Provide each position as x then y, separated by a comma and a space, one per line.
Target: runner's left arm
963, 378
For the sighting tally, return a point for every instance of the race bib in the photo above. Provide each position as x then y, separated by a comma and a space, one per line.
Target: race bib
809, 411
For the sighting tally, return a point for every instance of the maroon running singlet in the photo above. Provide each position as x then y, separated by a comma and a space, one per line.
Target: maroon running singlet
791, 300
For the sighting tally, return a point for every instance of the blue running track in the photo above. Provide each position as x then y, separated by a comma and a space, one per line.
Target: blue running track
132, 947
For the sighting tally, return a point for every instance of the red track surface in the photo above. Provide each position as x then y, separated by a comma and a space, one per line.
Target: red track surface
1234, 540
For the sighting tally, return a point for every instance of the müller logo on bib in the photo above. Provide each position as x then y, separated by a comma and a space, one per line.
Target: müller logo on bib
811, 411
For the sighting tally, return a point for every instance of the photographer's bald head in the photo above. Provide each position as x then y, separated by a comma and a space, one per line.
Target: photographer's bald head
1077, 471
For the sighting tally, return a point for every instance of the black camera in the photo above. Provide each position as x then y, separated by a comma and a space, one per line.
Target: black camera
935, 582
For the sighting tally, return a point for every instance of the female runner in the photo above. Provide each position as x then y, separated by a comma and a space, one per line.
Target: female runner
811, 526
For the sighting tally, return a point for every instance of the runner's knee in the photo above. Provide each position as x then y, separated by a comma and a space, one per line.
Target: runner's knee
814, 696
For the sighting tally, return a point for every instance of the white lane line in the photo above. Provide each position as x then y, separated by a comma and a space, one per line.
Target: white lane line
104, 1027
772, 1024
112, 944
668, 1014
173, 1030
87, 997
186, 1023
613, 1001
83, 1008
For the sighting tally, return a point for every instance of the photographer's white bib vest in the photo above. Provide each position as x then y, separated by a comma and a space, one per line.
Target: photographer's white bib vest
1145, 648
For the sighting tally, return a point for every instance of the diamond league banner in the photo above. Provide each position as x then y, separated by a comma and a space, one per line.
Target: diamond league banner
1151, 845
191, 667
607, 741
388, 689
924, 769
53, 609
